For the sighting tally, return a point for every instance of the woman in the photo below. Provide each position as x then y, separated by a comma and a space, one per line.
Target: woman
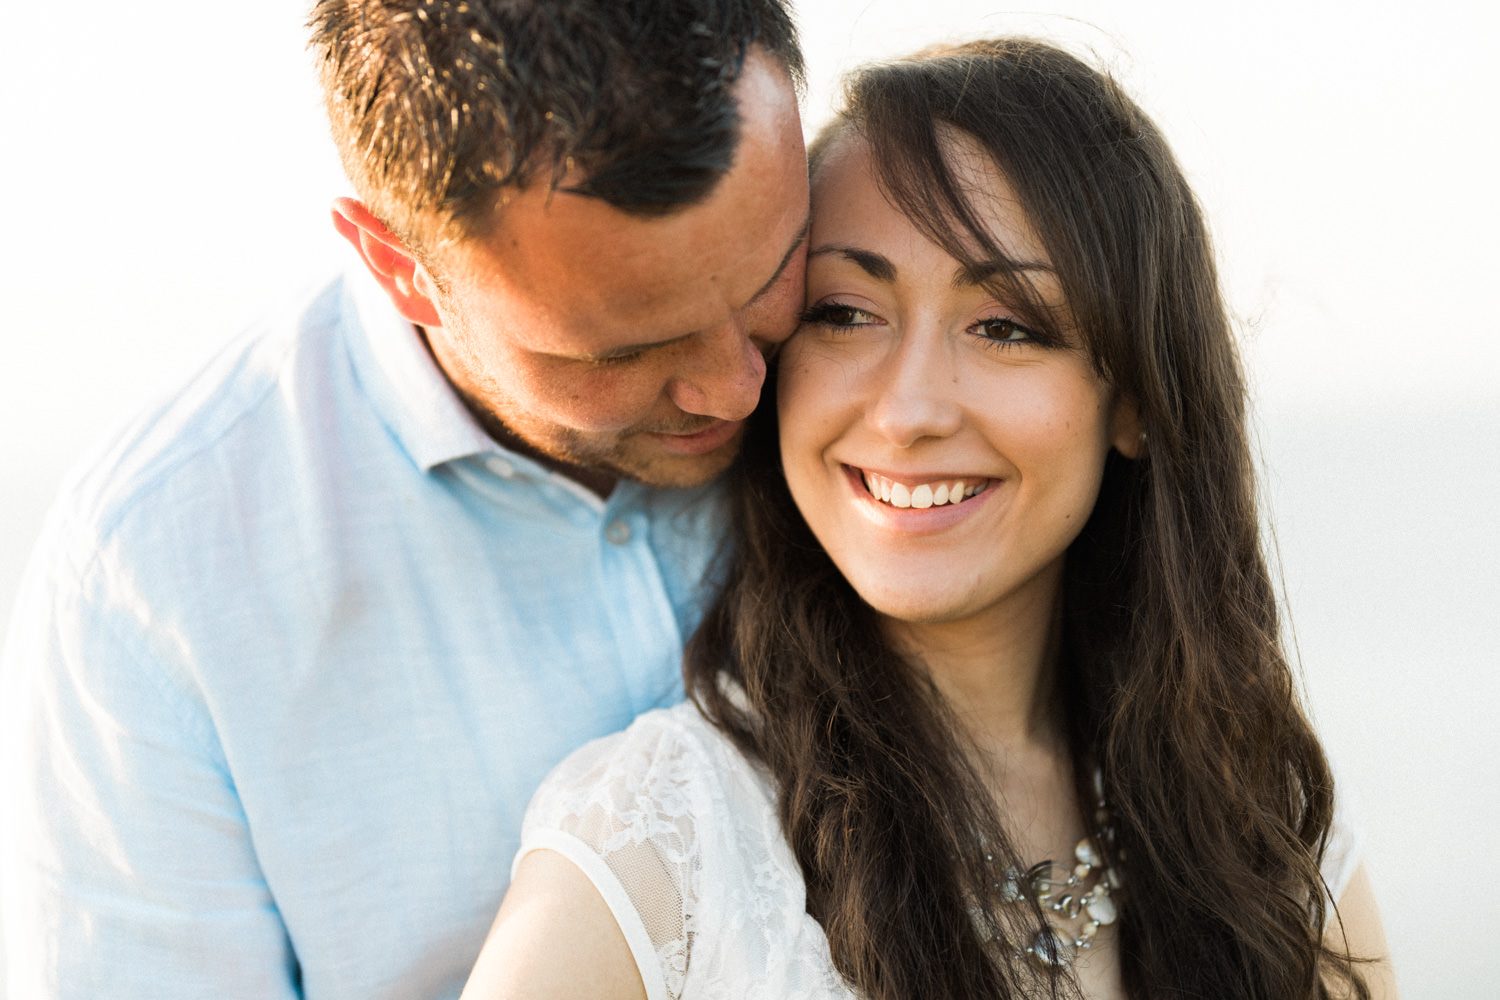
999, 598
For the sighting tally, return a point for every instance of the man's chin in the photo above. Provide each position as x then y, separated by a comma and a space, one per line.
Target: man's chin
667, 461
670, 470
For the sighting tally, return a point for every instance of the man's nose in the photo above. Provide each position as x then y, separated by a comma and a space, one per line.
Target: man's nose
725, 378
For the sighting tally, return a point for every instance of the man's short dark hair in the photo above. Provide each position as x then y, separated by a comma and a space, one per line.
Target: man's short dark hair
437, 105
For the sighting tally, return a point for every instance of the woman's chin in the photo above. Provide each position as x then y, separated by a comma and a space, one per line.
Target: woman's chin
917, 606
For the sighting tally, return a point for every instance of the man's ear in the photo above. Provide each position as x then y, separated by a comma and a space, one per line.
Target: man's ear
399, 272
1125, 431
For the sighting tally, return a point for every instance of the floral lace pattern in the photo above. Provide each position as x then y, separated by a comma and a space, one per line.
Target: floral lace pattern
686, 829
679, 834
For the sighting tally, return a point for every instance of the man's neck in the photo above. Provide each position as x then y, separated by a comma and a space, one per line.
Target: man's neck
600, 482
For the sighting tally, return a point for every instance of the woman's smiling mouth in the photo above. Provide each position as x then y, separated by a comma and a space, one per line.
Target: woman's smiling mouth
922, 495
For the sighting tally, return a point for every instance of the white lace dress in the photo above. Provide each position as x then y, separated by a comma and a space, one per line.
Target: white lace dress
678, 832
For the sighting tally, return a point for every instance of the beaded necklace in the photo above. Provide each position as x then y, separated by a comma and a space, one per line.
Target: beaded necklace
1075, 906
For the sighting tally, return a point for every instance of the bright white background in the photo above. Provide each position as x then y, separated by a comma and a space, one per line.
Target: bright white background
166, 177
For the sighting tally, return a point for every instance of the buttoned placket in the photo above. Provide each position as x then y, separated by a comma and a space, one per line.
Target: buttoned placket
641, 615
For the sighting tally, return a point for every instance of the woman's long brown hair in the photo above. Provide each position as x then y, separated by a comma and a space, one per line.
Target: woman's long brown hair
1176, 686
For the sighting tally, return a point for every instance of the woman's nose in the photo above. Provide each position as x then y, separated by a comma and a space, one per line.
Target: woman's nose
916, 396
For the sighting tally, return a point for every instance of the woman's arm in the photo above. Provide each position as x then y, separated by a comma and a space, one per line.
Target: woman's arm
1357, 929
554, 938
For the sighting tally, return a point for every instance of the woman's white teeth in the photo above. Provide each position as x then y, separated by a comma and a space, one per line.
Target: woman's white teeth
921, 496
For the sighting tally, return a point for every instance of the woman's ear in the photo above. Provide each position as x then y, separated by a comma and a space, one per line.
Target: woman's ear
1125, 430
403, 277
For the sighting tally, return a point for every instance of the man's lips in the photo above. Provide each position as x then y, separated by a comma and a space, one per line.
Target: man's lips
710, 438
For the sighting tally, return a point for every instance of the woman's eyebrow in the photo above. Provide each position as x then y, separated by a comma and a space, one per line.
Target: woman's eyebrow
968, 275
980, 272
875, 265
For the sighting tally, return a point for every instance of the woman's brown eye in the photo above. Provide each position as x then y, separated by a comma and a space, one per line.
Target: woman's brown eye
1005, 329
836, 314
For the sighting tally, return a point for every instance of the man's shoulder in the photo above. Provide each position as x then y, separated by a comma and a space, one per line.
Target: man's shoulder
250, 397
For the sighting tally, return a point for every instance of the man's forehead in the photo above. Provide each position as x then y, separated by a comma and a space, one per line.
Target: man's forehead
595, 273
593, 277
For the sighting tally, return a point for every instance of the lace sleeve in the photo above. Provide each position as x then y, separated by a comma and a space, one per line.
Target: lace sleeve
1345, 849
624, 810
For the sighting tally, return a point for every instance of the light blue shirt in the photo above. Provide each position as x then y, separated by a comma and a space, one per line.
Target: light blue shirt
293, 653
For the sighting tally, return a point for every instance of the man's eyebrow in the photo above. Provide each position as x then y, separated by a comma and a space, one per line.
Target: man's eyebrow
786, 258
625, 350
875, 265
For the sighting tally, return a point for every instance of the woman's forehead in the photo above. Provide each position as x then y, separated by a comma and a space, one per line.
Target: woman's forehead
848, 159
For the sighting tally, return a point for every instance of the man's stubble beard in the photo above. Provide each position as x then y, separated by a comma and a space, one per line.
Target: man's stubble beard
588, 458
568, 449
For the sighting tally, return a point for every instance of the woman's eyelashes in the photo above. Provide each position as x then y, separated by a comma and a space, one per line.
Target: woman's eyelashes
1002, 331
993, 331
836, 314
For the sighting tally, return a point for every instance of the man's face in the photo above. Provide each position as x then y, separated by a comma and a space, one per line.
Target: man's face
613, 345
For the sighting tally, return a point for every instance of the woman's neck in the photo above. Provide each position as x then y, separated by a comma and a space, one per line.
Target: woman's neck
998, 674
997, 671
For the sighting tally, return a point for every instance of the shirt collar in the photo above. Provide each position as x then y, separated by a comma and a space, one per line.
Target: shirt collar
408, 388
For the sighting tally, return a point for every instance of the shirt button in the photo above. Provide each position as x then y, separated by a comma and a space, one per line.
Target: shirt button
501, 467
618, 532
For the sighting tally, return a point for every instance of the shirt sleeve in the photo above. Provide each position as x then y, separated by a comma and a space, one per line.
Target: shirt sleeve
627, 810
1345, 849
127, 867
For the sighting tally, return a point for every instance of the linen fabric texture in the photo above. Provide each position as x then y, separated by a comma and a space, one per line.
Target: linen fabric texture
293, 653
678, 832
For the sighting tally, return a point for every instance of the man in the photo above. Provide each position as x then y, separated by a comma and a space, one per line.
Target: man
298, 646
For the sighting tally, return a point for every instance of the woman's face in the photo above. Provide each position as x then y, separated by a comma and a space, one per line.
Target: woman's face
944, 454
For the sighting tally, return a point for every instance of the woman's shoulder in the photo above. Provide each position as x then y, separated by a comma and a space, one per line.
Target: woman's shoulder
1345, 846
678, 833
668, 772
659, 747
